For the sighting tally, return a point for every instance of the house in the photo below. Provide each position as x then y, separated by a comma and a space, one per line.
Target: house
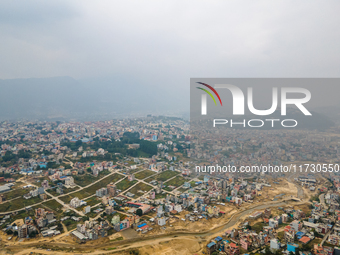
274, 244
161, 221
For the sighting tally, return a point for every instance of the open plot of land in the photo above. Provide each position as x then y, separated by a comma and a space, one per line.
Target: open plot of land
92, 201
182, 189
140, 186
53, 205
193, 184
18, 204
84, 180
258, 226
22, 214
164, 176
80, 194
15, 193
142, 175
71, 224
103, 173
161, 195
177, 181
125, 184
103, 183
65, 190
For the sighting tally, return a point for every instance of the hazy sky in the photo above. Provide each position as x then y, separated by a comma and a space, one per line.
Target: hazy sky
157, 41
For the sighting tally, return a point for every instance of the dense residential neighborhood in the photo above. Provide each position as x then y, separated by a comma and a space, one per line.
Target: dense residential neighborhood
83, 182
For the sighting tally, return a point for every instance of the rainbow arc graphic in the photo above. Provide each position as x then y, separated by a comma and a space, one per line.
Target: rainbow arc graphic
209, 93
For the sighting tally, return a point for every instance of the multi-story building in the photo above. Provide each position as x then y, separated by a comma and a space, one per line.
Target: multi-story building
111, 189
101, 192
75, 202
22, 231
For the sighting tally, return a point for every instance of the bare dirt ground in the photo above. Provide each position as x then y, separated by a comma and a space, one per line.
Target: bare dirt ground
270, 193
178, 225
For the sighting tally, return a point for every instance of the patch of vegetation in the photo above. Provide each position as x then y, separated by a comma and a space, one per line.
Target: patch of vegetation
258, 226
83, 180
19, 203
103, 183
53, 205
163, 176
144, 174
125, 184
65, 190
140, 186
177, 181
15, 193
161, 195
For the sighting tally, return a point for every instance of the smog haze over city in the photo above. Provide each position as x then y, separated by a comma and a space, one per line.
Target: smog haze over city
87, 59
170, 127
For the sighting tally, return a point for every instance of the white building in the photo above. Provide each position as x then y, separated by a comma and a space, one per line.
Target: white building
75, 202
273, 223
178, 208
274, 244
161, 221
87, 209
69, 182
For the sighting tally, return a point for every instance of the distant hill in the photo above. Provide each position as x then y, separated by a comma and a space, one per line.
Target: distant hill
66, 98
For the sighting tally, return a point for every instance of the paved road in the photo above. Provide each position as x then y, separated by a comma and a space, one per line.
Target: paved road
322, 200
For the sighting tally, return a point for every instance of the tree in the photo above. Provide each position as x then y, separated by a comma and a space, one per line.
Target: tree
79, 143
33, 234
139, 212
267, 251
60, 227
85, 218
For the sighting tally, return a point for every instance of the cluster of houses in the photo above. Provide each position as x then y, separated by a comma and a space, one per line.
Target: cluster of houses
91, 230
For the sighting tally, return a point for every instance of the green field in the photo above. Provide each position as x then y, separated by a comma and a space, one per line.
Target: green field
182, 190
177, 181
144, 174
103, 173
193, 183
84, 180
65, 190
18, 204
87, 179
140, 186
125, 184
71, 224
53, 205
258, 226
92, 201
164, 176
15, 193
103, 183
161, 195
